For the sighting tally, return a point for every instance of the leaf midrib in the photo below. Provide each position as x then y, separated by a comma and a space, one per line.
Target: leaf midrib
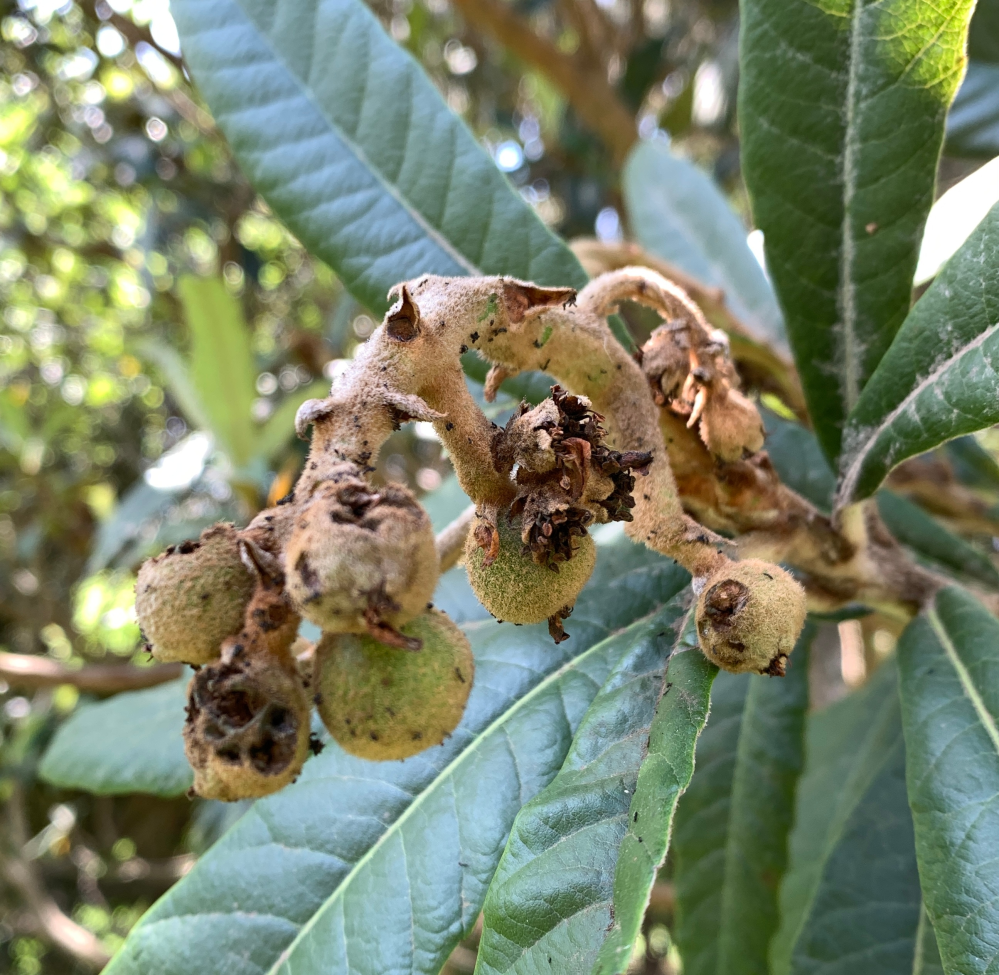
853, 471
856, 787
728, 911
967, 684
847, 290
360, 155
445, 774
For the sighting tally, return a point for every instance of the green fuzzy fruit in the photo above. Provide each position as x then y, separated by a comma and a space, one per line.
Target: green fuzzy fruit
515, 588
749, 616
382, 703
247, 729
190, 598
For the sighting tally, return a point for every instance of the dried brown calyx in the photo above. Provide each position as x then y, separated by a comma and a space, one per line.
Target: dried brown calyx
689, 368
247, 728
567, 477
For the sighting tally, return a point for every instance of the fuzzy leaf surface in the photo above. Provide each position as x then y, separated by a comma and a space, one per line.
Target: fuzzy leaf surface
850, 900
732, 824
293, 887
949, 665
678, 213
842, 105
938, 380
130, 743
663, 777
551, 896
355, 150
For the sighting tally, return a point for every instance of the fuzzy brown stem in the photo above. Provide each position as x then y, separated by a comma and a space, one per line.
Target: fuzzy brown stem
451, 539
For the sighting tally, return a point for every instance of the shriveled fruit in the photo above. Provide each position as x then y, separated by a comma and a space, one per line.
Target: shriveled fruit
383, 703
190, 598
731, 426
362, 559
247, 729
514, 587
749, 616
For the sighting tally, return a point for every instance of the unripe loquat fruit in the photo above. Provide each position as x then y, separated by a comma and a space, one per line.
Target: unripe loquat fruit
190, 598
361, 557
749, 616
383, 703
514, 587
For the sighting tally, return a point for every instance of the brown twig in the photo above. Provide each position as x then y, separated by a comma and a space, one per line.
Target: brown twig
451, 539
56, 927
749, 350
585, 87
134, 34
30, 672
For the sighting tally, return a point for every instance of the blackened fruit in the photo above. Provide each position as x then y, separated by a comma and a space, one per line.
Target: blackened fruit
247, 729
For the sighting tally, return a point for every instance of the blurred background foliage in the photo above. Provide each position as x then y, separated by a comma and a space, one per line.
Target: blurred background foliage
159, 328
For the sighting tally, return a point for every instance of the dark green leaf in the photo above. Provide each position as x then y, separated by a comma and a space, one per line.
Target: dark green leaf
850, 900
949, 663
973, 464
130, 743
922, 533
355, 150
732, 825
799, 461
841, 109
221, 367
927, 960
983, 35
551, 896
677, 213
664, 775
295, 885
937, 381
973, 122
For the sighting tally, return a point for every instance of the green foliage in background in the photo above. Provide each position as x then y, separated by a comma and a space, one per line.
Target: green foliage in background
162, 322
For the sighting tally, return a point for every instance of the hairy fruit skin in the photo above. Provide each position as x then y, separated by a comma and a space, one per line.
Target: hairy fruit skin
749, 616
514, 587
247, 729
383, 703
360, 558
190, 598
